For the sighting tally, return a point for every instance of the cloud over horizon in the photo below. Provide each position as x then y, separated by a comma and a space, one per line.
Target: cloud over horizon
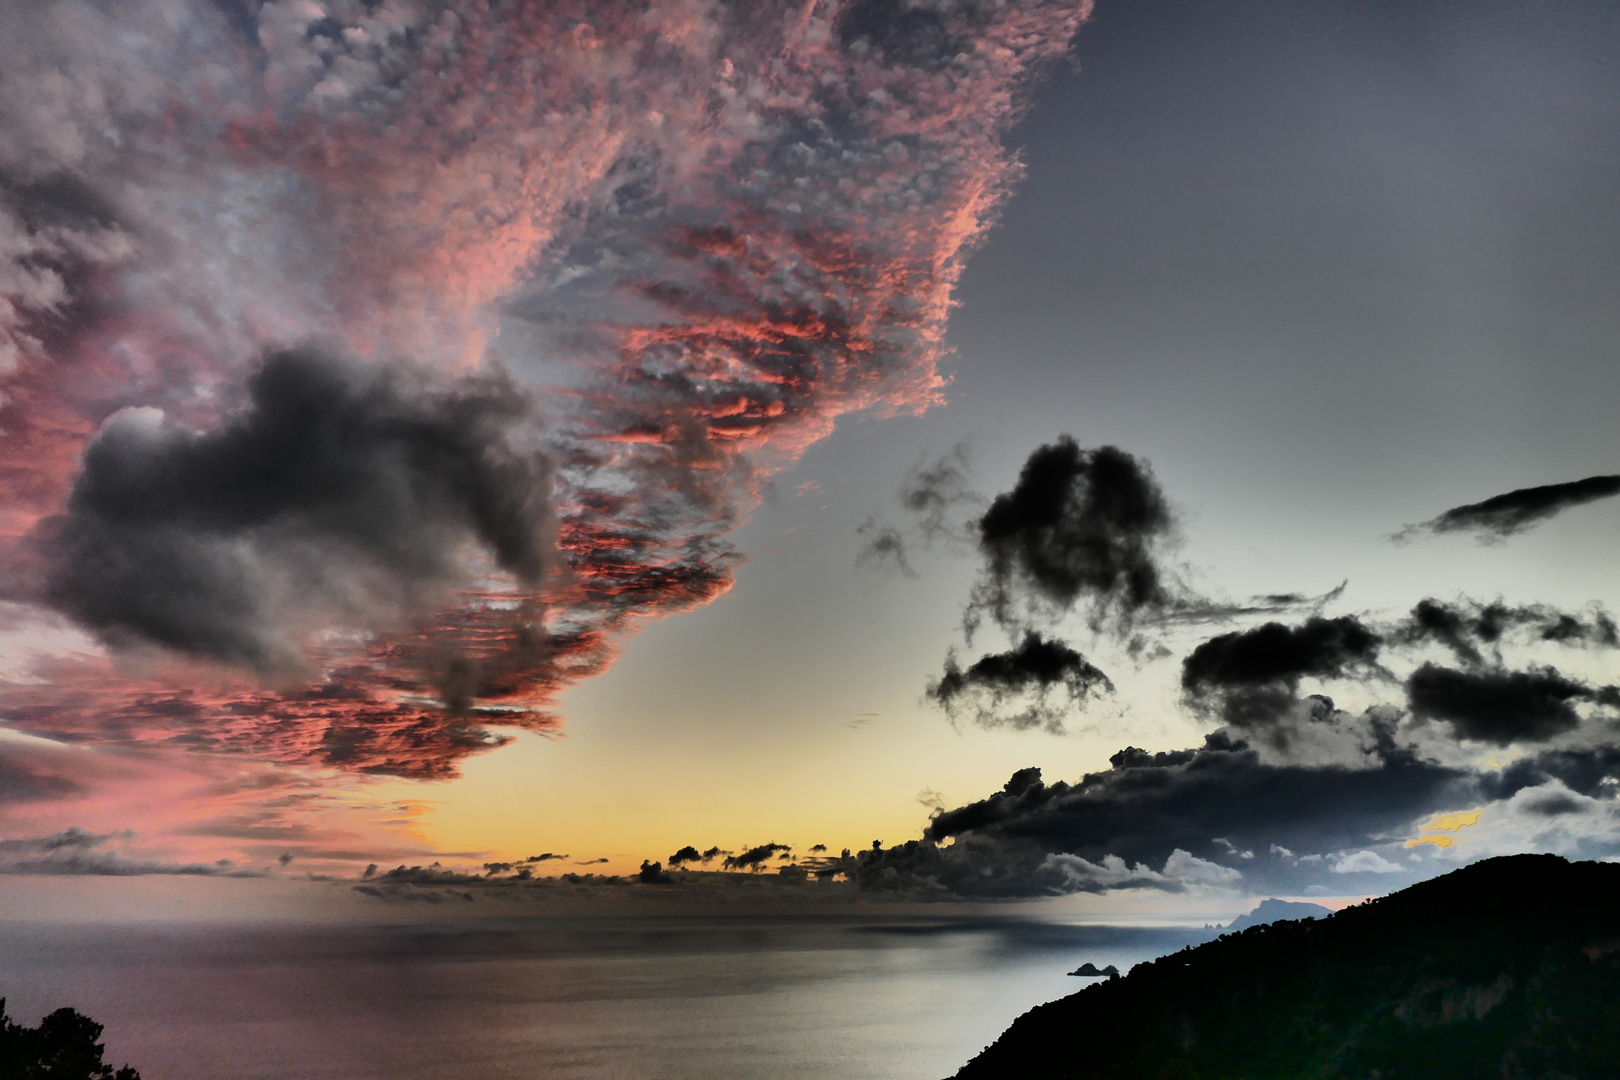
1287, 790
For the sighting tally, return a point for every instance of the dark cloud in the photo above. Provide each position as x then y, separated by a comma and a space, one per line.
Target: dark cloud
1468, 628
1501, 706
1012, 688
685, 855
21, 783
1078, 526
1251, 677
755, 857
339, 493
1275, 653
1517, 511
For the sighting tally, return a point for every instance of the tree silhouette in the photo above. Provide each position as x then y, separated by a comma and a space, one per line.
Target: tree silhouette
62, 1047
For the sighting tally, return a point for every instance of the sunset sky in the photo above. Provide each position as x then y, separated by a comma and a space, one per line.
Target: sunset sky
449, 431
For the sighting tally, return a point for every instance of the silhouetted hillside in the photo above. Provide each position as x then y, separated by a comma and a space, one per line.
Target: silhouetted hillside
1508, 968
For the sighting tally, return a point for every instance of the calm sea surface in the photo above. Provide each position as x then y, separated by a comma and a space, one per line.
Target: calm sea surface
750, 998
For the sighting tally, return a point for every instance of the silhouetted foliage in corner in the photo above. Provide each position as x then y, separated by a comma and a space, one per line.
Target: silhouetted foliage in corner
62, 1047
1508, 968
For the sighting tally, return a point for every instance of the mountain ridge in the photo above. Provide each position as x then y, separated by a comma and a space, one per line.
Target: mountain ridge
1508, 967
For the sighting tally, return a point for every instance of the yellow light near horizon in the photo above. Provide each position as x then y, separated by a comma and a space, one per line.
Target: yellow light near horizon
1437, 841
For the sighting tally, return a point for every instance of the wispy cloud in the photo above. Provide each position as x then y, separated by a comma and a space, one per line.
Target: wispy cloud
1501, 516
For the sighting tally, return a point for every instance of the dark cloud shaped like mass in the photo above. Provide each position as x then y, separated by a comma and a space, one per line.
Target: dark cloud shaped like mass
1079, 526
1500, 706
1274, 652
339, 489
1251, 677
1151, 820
1188, 818
1012, 688
1502, 516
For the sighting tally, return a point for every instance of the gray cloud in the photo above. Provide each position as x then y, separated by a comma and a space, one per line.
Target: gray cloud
1502, 516
883, 546
936, 489
339, 493
78, 853
934, 496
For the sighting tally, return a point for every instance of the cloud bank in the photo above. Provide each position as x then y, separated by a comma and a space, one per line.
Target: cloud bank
692, 236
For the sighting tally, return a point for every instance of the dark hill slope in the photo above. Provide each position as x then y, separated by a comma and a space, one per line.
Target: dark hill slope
1509, 969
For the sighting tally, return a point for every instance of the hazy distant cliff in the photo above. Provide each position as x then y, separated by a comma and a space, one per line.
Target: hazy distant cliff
1508, 968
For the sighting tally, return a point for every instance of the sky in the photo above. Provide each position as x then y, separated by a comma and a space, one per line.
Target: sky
450, 432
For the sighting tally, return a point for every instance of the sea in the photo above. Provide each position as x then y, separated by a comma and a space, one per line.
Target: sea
706, 997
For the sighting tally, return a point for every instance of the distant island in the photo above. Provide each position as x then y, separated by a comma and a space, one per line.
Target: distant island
1274, 910
1507, 968
1093, 971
